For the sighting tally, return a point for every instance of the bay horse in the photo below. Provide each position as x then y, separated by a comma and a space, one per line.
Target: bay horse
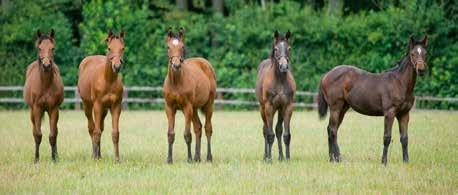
275, 90
44, 91
190, 85
389, 94
100, 86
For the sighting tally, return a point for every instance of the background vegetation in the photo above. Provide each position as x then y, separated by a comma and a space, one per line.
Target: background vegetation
235, 35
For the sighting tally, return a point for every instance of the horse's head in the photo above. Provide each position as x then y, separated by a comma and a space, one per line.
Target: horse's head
175, 47
280, 51
45, 45
417, 54
115, 54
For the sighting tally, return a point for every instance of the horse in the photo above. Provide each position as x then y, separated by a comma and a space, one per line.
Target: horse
100, 87
275, 90
44, 91
389, 94
190, 85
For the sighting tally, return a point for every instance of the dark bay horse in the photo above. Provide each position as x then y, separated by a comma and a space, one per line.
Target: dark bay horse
389, 94
190, 85
44, 91
275, 89
101, 88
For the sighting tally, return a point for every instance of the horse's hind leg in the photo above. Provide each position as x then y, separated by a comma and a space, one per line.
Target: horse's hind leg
287, 137
36, 116
90, 121
53, 115
198, 131
208, 110
278, 133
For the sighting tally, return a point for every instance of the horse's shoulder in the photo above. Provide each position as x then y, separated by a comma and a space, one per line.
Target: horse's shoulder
264, 63
91, 61
32, 66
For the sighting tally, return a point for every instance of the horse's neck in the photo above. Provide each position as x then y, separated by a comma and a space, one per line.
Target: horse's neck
280, 77
46, 77
407, 75
109, 75
175, 77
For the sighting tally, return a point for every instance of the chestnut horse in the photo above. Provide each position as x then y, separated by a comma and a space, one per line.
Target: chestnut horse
190, 85
101, 88
389, 94
275, 89
44, 91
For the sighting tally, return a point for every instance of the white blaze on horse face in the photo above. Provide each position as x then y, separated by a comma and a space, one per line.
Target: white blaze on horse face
175, 42
419, 51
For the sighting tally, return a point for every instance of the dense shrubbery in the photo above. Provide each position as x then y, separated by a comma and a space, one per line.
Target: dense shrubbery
236, 43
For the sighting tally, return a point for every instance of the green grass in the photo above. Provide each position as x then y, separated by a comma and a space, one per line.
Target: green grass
237, 152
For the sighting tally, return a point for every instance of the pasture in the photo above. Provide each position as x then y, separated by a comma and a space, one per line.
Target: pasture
237, 152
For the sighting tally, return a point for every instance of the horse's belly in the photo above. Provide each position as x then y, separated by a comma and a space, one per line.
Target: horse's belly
366, 104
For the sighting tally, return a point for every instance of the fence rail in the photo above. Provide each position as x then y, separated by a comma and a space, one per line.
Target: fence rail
219, 99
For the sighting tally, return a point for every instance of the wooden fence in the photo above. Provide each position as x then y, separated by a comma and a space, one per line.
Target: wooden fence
76, 100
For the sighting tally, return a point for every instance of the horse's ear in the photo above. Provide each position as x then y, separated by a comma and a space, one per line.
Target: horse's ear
38, 33
424, 41
288, 35
52, 33
276, 34
121, 34
411, 42
169, 33
110, 35
181, 34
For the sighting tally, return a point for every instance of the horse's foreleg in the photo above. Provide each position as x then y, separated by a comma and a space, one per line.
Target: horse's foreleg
264, 130
90, 121
209, 129
389, 117
53, 118
198, 132
36, 115
170, 112
96, 134
188, 113
333, 126
403, 121
279, 132
115, 114
269, 112
287, 137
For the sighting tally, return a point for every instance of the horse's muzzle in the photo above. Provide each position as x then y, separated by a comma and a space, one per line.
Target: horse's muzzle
421, 72
176, 66
115, 68
46, 67
283, 67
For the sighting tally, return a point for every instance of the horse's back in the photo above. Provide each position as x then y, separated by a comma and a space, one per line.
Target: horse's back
205, 66
88, 69
262, 67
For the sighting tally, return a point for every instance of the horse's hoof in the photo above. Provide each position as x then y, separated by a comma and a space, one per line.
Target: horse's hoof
169, 161
190, 160
281, 158
209, 158
36, 160
117, 161
197, 159
268, 160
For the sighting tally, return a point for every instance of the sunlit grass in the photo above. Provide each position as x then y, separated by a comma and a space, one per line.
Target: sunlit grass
237, 153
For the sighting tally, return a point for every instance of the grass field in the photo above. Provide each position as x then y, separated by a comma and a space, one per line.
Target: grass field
237, 153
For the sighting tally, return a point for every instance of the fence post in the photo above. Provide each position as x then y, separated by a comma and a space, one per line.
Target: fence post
125, 95
219, 97
77, 100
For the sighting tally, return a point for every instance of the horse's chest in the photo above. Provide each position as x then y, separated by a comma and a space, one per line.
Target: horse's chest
110, 98
279, 95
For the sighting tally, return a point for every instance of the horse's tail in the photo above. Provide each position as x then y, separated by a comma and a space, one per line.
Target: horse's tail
322, 104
